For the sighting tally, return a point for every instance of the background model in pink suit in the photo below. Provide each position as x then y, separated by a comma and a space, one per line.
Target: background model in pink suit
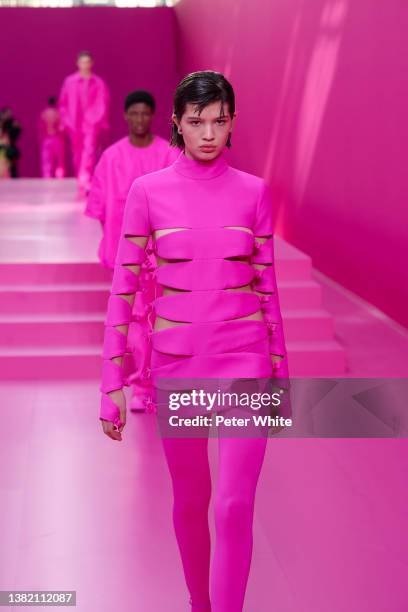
137, 154
119, 165
84, 105
51, 141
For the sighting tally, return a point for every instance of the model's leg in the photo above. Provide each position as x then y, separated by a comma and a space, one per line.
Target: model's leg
88, 157
54, 156
76, 149
187, 459
46, 158
240, 462
60, 157
4, 167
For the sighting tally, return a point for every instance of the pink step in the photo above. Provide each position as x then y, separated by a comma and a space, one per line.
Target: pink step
306, 359
53, 273
51, 329
290, 263
319, 359
54, 298
51, 363
48, 329
308, 325
299, 294
16, 273
93, 297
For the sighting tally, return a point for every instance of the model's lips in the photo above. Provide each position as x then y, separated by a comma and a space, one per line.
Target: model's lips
208, 148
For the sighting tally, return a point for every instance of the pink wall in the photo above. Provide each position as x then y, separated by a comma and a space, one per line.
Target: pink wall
322, 99
39, 48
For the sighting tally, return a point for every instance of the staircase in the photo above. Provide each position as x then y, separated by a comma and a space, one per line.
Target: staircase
313, 350
53, 292
51, 320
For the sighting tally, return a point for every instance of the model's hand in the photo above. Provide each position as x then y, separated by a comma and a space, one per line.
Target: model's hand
110, 428
276, 359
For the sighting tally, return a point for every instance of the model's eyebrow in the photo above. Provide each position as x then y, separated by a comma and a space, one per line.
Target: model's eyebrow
195, 117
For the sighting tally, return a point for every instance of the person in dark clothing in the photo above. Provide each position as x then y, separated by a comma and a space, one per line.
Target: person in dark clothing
10, 130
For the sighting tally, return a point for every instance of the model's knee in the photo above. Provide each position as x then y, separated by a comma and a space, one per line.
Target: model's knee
232, 513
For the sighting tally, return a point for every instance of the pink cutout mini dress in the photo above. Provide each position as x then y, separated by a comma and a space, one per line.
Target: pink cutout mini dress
218, 313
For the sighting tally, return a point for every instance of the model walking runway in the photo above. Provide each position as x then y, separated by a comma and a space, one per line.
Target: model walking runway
218, 316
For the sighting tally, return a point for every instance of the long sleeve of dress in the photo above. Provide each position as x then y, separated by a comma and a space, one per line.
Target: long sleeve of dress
125, 282
264, 282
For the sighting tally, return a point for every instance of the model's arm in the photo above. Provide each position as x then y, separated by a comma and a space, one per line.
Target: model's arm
130, 255
98, 113
107, 100
264, 283
95, 205
63, 106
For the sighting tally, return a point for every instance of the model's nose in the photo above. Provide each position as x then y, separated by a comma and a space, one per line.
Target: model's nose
208, 133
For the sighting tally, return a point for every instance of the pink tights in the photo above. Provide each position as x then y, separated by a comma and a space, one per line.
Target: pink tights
240, 462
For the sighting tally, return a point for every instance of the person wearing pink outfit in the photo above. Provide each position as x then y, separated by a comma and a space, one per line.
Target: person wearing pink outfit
51, 141
136, 154
84, 106
218, 317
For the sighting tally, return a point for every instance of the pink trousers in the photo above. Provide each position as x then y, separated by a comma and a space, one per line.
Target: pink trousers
52, 157
240, 462
221, 585
84, 147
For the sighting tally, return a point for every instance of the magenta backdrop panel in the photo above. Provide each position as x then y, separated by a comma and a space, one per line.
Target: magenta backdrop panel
132, 48
322, 102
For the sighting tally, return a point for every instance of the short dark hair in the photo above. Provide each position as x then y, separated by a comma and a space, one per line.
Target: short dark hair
84, 54
140, 95
52, 101
201, 88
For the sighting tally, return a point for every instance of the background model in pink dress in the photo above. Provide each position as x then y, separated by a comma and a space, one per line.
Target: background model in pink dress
51, 142
119, 165
83, 106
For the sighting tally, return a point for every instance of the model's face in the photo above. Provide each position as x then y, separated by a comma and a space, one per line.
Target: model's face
139, 118
84, 65
205, 135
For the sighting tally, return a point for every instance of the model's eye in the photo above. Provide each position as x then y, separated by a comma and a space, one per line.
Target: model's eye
221, 121
194, 122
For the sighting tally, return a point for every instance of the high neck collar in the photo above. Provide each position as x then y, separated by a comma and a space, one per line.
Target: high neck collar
151, 144
193, 168
83, 78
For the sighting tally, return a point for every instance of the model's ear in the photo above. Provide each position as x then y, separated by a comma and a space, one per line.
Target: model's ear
233, 121
175, 120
